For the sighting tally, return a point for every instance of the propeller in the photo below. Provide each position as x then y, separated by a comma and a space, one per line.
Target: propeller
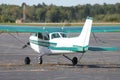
26, 45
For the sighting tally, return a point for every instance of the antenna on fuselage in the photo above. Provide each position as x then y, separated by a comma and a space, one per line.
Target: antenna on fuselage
44, 28
63, 26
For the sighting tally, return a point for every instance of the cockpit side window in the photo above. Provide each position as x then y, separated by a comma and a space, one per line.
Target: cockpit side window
46, 36
40, 35
63, 35
43, 36
55, 35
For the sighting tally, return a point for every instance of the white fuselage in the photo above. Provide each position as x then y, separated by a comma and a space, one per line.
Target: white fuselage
54, 45
58, 42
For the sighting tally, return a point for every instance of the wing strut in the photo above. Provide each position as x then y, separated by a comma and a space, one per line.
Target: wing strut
26, 45
96, 38
81, 56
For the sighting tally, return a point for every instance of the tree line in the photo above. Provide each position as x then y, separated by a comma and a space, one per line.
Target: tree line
53, 13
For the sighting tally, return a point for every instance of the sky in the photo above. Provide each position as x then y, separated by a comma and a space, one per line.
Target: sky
58, 2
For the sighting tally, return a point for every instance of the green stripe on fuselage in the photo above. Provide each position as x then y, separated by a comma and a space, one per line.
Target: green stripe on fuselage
43, 43
52, 46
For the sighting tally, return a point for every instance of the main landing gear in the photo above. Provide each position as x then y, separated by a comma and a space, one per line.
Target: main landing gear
74, 60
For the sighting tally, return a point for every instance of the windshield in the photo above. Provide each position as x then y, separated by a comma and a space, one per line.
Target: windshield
55, 35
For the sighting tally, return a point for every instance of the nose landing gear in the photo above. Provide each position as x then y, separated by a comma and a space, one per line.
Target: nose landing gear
40, 60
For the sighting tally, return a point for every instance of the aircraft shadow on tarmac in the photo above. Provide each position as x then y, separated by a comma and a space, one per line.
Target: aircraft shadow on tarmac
106, 66
94, 65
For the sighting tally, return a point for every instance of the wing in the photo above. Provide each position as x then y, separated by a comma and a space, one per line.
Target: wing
28, 29
67, 29
98, 48
106, 29
35, 29
95, 29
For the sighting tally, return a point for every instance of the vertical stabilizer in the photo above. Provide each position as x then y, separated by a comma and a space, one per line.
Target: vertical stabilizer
84, 37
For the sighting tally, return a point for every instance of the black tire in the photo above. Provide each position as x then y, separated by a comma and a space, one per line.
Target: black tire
74, 61
27, 60
40, 60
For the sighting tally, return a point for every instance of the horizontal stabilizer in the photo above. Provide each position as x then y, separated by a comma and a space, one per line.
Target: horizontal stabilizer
98, 48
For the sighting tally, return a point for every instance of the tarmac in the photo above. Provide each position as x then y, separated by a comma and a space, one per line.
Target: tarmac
94, 65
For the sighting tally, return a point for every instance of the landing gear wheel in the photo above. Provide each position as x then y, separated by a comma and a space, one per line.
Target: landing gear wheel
40, 60
27, 60
74, 61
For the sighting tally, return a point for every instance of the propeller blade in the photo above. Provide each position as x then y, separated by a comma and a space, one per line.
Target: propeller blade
26, 45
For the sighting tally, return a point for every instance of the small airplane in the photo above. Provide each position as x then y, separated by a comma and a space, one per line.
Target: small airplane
54, 41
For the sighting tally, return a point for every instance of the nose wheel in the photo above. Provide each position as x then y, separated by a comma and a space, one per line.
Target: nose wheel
27, 60
40, 60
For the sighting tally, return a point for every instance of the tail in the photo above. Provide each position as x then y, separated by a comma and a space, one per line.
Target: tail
84, 37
